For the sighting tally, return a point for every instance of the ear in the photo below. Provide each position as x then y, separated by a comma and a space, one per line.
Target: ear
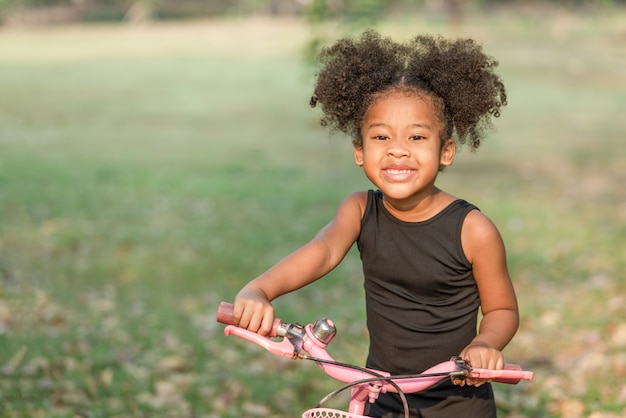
448, 151
358, 155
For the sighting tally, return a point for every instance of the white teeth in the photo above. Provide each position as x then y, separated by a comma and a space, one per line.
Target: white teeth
398, 171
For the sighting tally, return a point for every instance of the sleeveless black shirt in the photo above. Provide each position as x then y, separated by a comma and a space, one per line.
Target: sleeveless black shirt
421, 297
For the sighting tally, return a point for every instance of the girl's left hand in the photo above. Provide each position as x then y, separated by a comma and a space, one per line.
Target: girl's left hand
481, 355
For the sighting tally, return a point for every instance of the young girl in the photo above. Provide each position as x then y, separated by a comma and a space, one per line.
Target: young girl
430, 260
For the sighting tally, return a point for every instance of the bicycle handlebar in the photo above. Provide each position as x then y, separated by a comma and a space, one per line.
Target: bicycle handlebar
303, 338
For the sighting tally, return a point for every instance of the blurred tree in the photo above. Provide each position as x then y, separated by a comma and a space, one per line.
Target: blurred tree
350, 13
5, 7
140, 11
365, 13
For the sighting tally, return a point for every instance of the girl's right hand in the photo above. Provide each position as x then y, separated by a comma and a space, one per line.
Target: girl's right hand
253, 311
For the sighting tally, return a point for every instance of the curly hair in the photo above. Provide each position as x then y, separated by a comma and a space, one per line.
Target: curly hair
455, 74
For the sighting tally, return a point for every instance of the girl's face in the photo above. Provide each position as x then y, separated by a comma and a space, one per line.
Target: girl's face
402, 151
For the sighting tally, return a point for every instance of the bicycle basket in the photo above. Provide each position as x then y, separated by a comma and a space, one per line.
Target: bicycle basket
329, 413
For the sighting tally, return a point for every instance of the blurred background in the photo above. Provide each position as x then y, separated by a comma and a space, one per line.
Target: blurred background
156, 155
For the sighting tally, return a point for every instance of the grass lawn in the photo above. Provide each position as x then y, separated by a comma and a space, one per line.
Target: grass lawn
147, 173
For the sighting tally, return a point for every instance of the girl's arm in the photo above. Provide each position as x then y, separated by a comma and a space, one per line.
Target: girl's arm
484, 248
315, 259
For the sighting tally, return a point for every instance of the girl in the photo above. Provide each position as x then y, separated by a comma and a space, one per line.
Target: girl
430, 260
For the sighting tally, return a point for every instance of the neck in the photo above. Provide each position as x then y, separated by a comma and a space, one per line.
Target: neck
418, 208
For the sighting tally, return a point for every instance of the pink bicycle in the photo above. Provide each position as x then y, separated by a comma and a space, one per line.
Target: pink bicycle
309, 342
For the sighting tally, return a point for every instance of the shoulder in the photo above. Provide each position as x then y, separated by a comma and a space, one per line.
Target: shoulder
479, 235
355, 203
477, 223
346, 224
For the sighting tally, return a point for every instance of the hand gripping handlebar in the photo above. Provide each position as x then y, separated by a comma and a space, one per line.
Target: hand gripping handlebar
225, 316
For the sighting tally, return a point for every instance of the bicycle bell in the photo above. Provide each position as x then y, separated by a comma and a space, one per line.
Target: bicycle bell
324, 330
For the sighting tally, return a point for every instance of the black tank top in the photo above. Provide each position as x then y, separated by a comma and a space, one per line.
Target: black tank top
421, 297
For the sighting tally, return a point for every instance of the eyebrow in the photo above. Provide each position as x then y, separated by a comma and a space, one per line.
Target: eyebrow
415, 125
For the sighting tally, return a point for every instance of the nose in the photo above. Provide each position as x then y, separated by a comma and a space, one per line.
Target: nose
398, 149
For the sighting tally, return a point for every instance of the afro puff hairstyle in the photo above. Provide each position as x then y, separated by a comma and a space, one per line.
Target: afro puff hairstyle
455, 74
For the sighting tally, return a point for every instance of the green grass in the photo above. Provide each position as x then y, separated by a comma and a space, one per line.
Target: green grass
149, 175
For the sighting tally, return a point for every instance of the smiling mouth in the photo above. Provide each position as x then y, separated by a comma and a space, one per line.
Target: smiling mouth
398, 174
394, 172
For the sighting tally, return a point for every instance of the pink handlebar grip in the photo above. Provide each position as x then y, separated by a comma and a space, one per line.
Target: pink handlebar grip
225, 316
512, 374
225, 313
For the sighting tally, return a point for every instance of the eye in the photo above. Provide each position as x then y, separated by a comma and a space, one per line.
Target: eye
380, 137
416, 138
